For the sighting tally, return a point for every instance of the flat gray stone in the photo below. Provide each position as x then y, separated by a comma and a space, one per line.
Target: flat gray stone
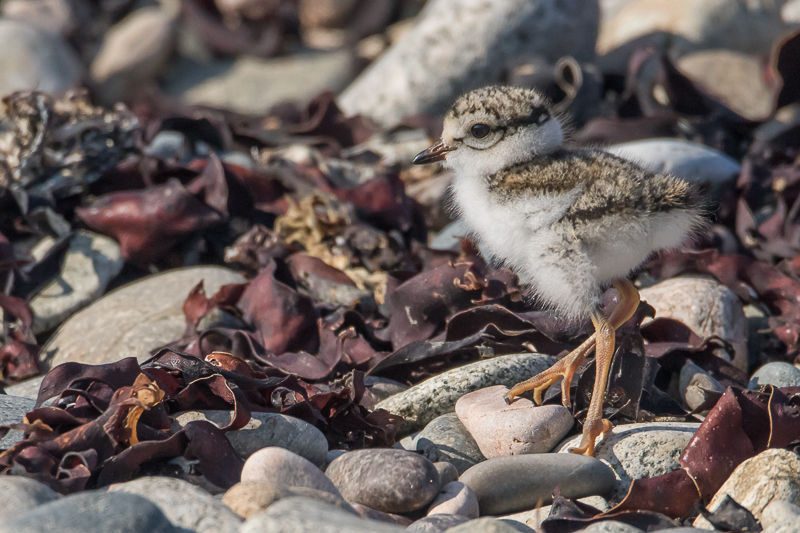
438, 395
304, 515
184, 504
516, 483
26, 389
93, 512
12, 410
692, 383
637, 451
446, 439
21, 494
778, 374
266, 429
134, 319
90, 263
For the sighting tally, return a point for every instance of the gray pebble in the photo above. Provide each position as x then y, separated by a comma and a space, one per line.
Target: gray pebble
611, 526
778, 374
12, 410
779, 511
446, 439
247, 499
436, 523
282, 468
486, 525
447, 472
693, 381
21, 494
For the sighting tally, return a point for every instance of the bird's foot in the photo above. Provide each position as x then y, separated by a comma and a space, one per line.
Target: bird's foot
591, 430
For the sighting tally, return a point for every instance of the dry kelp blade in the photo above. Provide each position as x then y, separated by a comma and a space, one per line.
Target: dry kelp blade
64, 376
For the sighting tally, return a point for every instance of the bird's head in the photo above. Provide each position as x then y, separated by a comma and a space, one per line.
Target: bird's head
494, 127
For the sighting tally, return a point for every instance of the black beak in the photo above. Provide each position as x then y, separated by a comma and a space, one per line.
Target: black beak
437, 152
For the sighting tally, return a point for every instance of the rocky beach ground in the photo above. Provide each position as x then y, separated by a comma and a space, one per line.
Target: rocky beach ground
230, 303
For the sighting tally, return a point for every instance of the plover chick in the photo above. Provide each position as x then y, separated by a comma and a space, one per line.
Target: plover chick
569, 222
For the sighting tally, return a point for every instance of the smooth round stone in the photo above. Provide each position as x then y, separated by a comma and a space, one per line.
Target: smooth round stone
486, 525
90, 263
771, 475
12, 410
779, 511
247, 499
281, 468
446, 439
184, 504
455, 498
778, 374
637, 451
447, 472
438, 395
693, 381
134, 319
519, 428
304, 515
516, 483
389, 480
264, 430
436, 523
611, 526
373, 514
706, 307
93, 512
21, 494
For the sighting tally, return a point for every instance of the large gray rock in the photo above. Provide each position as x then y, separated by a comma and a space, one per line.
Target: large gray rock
93, 512
134, 319
777, 374
12, 410
438, 395
446, 439
33, 58
90, 263
266, 429
458, 45
184, 504
253, 85
21, 494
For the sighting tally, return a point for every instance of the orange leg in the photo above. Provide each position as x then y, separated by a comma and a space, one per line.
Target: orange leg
566, 367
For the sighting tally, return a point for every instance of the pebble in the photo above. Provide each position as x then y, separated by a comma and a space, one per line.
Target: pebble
282, 468
93, 512
142, 315
636, 451
447, 472
706, 307
516, 483
266, 429
12, 410
693, 381
251, 84
389, 480
304, 515
33, 58
21, 494
133, 52
779, 511
438, 395
769, 476
54, 16
373, 514
455, 498
519, 428
446, 439
89, 264
435, 60
778, 374
382, 388
611, 526
184, 504
486, 525
249, 498
26, 389
790, 526
450, 237
437, 523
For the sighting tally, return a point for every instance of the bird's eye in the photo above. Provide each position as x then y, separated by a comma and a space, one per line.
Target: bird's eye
479, 131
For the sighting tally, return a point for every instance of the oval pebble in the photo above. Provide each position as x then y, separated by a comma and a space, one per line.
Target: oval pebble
389, 480
446, 439
21, 494
247, 499
455, 498
778, 374
447, 472
279, 467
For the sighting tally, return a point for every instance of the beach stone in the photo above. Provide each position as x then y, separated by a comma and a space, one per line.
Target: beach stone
447, 472
611, 526
54, 16
772, 475
12, 410
485, 525
515, 429
693, 381
282, 468
93, 512
516, 483
26, 389
446, 439
382, 388
249, 498
304, 515
789, 526
266, 429
438, 395
389, 480
184, 504
637, 451
704, 305
373, 514
436, 523
133, 52
34, 58
253, 85
21, 494
455, 498
779, 511
436, 60
89, 264
777, 374
134, 319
